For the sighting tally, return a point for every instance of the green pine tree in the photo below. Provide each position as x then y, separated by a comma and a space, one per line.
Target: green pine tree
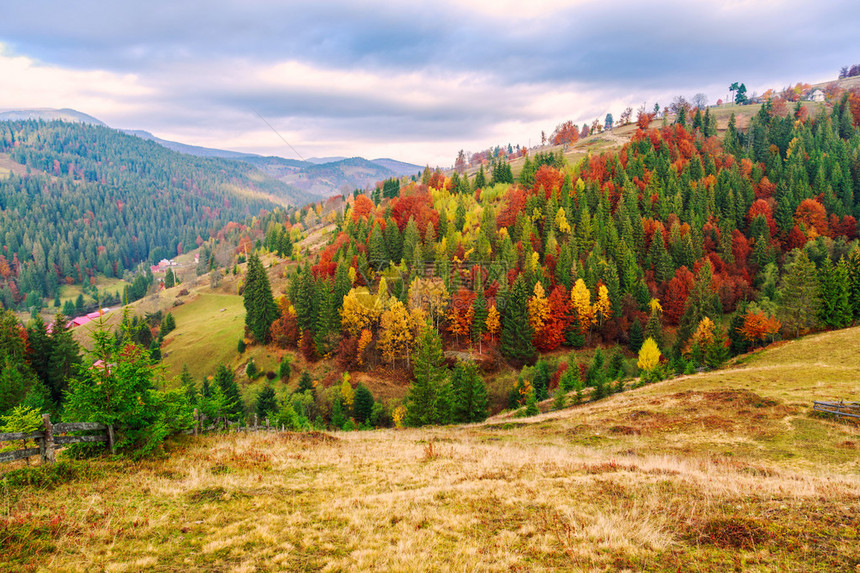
260, 308
428, 377
363, 405
267, 403
516, 338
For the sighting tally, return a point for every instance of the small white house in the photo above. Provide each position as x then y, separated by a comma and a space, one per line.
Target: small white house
816, 95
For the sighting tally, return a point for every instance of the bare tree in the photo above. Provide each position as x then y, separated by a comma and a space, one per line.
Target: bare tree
700, 100
678, 103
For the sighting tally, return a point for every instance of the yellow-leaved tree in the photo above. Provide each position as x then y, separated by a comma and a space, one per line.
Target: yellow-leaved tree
649, 358
538, 308
395, 334
561, 222
581, 307
430, 295
346, 392
603, 306
494, 324
359, 311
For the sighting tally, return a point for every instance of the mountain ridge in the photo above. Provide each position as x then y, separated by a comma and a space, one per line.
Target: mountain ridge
319, 176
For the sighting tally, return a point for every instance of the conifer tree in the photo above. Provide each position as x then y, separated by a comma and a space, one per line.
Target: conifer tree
479, 320
422, 400
267, 403
306, 382
516, 340
363, 406
226, 382
480, 179
64, 359
701, 302
854, 282
799, 296
377, 252
541, 380
260, 308
469, 394
393, 241
39, 346
835, 310
411, 239
636, 336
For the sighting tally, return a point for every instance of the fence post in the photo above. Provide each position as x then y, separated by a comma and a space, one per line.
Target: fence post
267, 423
111, 439
48, 442
196, 421
255, 422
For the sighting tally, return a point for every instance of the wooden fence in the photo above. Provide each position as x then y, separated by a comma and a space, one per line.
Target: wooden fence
52, 436
846, 409
200, 425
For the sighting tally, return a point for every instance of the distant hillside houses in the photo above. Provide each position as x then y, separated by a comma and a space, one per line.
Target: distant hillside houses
815, 95
162, 266
82, 320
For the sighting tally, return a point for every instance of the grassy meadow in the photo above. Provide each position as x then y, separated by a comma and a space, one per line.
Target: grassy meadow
728, 470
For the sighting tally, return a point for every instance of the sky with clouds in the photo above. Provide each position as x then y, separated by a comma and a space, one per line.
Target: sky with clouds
414, 81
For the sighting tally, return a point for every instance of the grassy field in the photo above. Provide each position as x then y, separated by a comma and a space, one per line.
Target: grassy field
208, 327
727, 470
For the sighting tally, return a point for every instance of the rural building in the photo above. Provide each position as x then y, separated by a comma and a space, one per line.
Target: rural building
816, 95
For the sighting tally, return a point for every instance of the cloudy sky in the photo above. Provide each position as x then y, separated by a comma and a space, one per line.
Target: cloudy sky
413, 80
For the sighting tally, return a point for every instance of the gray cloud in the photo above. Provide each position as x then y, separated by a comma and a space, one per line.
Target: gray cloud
204, 59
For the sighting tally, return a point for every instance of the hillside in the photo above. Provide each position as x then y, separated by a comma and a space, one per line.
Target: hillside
81, 201
723, 470
342, 176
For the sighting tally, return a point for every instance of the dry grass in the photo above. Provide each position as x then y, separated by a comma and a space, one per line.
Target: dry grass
461, 499
722, 471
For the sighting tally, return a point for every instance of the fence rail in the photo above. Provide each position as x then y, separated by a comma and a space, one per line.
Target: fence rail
846, 409
48, 438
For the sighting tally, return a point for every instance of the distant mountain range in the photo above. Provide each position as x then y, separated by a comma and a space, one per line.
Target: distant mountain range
320, 176
46, 114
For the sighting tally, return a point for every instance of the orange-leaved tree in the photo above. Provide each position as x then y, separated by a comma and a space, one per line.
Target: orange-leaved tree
757, 326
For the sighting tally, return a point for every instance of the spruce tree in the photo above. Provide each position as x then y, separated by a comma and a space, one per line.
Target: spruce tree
798, 294
637, 337
64, 360
480, 179
377, 252
40, 345
701, 302
541, 380
226, 382
428, 377
516, 339
260, 308
854, 282
267, 403
363, 406
306, 382
186, 382
470, 394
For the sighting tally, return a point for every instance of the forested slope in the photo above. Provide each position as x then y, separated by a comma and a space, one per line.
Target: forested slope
97, 201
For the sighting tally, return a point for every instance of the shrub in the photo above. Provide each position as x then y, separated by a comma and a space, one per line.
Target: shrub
119, 389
